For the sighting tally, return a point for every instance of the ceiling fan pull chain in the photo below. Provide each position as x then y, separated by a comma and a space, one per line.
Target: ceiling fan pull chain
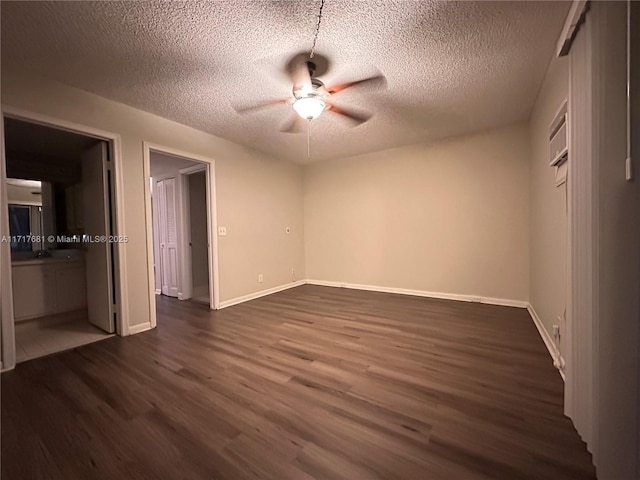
315, 37
309, 139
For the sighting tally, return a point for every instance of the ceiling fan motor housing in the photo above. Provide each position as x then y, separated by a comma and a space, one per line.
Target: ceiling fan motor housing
317, 90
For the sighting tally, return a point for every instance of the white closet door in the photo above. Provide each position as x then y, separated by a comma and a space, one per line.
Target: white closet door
168, 236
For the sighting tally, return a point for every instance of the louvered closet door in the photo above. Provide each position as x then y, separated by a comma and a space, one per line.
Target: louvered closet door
168, 236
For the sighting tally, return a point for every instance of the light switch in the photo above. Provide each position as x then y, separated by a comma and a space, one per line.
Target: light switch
222, 231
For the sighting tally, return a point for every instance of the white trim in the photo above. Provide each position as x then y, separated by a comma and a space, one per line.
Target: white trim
120, 249
262, 293
194, 169
569, 29
115, 151
422, 293
158, 292
7, 324
178, 153
32, 117
140, 328
212, 234
146, 174
165, 176
548, 340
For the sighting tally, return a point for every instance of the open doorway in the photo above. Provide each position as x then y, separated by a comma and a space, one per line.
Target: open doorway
181, 208
59, 204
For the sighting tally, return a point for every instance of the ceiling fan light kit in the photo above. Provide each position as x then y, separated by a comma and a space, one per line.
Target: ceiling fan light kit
309, 107
310, 99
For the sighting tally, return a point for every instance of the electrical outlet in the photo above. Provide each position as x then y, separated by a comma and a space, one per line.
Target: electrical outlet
260, 278
222, 231
476, 299
556, 331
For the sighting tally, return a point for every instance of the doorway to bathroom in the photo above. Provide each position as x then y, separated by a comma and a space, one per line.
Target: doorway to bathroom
59, 205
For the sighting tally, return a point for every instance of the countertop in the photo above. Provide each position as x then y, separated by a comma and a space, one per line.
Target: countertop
46, 261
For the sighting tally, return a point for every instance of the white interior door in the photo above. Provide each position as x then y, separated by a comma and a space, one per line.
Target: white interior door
168, 236
96, 223
198, 235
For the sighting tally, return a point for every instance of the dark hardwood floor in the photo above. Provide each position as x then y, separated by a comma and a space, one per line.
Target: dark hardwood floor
310, 383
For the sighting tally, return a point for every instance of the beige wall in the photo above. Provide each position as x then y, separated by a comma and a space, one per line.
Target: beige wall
547, 208
447, 218
257, 196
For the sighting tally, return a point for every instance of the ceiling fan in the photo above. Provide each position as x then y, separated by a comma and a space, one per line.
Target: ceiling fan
310, 97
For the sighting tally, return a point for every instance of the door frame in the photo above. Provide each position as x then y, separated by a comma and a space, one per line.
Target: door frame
114, 142
212, 223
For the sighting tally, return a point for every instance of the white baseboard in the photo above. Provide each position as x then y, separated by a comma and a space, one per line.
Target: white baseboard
158, 291
7, 367
423, 293
547, 339
140, 328
262, 293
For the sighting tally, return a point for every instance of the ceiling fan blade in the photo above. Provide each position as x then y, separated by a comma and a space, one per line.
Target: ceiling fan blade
356, 117
261, 105
377, 81
294, 125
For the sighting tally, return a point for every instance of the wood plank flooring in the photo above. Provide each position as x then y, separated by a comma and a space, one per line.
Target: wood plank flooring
310, 383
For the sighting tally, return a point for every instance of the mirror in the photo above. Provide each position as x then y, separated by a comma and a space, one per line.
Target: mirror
44, 185
26, 219
39, 210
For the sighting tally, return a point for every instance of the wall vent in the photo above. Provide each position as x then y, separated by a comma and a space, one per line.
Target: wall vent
559, 138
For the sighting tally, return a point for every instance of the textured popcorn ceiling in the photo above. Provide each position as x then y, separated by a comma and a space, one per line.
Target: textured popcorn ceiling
452, 67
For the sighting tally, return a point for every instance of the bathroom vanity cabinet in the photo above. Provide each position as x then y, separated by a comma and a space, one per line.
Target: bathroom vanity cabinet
48, 286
